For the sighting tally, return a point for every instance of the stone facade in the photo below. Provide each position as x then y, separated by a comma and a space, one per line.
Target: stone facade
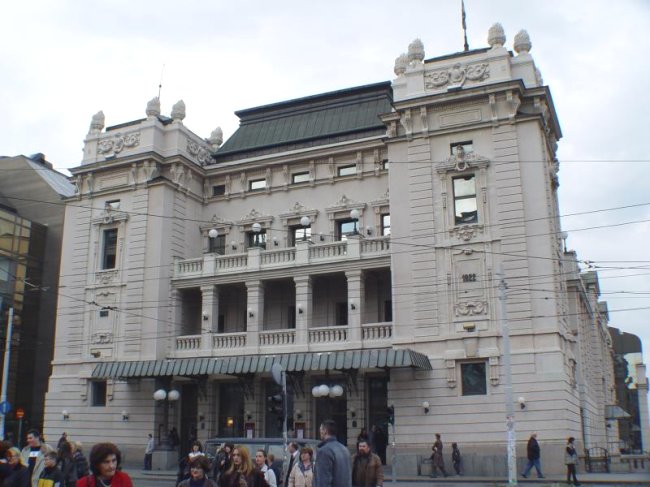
378, 235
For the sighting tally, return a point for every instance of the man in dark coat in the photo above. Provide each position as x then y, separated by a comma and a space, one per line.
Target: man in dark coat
367, 470
332, 467
437, 460
294, 457
534, 455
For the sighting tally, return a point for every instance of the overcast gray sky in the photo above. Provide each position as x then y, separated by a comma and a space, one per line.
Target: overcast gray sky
61, 61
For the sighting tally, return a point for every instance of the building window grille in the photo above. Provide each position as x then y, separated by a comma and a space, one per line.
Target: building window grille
109, 252
473, 377
465, 205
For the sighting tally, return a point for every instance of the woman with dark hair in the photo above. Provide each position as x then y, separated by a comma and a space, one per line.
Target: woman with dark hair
241, 472
570, 460
67, 464
302, 474
199, 466
19, 473
222, 462
105, 459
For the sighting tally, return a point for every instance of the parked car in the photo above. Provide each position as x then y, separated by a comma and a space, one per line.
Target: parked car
274, 446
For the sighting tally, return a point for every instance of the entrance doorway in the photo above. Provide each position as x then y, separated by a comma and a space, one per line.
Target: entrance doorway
334, 408
188, 414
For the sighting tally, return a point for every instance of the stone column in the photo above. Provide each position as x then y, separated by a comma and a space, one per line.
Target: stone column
355, 304
304, 306
644, 420
254, 313
209, 315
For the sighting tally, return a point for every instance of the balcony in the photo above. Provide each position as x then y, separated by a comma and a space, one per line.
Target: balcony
371, 335
303, 254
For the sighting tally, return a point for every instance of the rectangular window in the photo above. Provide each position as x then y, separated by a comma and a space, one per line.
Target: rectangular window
346, 227
347, 170
466, 145
256, 239
217, 245
103, 313
112, 205
297, 233
109, 251
465, 209
385, 164
219, 190
473, 378
300, 177
256, 184
98, 393
385, 225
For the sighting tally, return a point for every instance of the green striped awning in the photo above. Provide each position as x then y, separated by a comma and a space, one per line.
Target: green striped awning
251, 364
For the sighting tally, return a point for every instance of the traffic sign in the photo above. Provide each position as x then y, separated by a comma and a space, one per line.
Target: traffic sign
5, 407
20, 413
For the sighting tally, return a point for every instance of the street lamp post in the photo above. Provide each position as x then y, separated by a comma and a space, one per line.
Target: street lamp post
257, 228
354, 215
305, 222
507, 368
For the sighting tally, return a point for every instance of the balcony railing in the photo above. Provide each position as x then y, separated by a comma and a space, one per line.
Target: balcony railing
372, 334
304, 253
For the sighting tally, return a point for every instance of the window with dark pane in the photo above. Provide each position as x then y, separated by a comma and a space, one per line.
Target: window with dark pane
257, 239
217, 245
473, 378
98, 393
109, 252
385, 225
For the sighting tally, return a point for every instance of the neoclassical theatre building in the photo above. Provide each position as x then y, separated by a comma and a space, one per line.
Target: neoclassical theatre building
352, 236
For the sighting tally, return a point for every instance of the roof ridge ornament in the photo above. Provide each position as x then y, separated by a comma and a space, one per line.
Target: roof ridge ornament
522, 44
496, 36
97, 123
153, 107
178, 111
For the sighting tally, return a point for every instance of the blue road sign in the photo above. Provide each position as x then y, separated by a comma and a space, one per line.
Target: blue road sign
5, 407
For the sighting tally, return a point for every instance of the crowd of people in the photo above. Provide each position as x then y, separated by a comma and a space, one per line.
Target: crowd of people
39, 464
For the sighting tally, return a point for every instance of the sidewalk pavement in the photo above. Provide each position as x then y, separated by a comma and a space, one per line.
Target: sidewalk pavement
586, 479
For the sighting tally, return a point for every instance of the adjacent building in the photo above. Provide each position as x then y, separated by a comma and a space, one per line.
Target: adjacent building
31, 223
357, 238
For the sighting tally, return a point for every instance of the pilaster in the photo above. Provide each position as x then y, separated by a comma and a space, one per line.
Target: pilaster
304, 307
355, 304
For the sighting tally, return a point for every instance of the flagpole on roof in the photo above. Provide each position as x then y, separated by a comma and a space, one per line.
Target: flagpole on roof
466, 46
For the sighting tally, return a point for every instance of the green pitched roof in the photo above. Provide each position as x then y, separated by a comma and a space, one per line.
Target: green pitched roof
310, 121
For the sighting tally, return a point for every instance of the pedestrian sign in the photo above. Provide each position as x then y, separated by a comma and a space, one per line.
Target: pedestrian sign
5, 407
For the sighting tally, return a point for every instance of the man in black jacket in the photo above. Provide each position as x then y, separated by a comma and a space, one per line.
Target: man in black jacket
534, 454
293, 450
